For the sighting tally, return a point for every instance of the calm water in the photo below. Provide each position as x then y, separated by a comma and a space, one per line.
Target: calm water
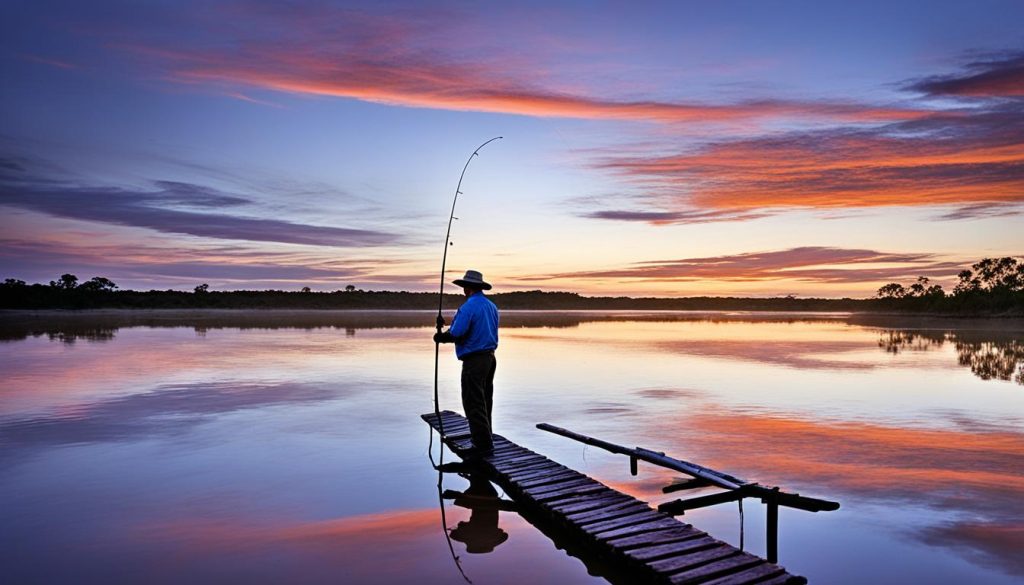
287, 447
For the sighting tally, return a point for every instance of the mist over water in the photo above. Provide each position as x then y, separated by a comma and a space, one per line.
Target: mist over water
286, 446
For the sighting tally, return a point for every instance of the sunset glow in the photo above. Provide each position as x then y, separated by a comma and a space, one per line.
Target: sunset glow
665, 149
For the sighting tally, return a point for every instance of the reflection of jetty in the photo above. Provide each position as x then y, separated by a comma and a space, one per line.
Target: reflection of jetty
649, 544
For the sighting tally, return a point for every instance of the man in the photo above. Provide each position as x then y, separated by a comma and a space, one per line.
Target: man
474, 331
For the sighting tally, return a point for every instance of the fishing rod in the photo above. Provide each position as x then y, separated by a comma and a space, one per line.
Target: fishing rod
440, 300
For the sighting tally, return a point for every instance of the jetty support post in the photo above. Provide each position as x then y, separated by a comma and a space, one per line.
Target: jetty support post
772, 525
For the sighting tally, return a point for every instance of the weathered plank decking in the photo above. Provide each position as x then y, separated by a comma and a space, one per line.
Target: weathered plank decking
650, 544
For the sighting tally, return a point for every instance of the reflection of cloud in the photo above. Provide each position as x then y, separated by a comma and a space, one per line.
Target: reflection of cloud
165, 410
792, 354
667, 393
998, 545
809, 263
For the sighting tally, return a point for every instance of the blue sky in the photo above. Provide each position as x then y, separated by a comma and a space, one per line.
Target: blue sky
656, 148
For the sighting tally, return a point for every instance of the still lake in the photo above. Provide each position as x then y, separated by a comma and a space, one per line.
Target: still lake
286, 446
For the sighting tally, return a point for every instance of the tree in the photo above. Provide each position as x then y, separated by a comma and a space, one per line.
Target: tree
306, 289
350, 288
66, 282
893, 290
966, 283
992, 275
98, 284
13, 283
202, 289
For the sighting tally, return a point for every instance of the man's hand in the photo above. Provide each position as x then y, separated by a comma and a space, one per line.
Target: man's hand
444, 337
440, 321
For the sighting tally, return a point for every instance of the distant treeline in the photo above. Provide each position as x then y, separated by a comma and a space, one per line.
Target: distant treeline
992, 286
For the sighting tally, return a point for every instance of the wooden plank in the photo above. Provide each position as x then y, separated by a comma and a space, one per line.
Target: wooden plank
664, 536
584, 503
687, 560
636, 518
549, 478
756, 574
519, 460
526, 460
558, 495
537, 477
727, 566
576, 483
656, 551
509, 455
664, 522
534, 472
607, 512
520, 468
569, 482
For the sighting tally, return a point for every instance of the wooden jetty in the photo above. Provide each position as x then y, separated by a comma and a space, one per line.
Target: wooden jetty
650, 544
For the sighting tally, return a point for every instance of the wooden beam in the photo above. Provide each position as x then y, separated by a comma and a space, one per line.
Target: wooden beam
678, 507
689, 484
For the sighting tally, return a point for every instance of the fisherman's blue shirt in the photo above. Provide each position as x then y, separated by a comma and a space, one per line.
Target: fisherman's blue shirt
475, 326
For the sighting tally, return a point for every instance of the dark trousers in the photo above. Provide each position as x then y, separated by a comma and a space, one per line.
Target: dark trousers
478, 394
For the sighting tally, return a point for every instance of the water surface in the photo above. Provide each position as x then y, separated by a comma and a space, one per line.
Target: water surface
286, 446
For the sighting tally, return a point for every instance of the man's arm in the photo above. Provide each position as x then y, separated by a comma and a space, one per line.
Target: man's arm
454, 332
461, 322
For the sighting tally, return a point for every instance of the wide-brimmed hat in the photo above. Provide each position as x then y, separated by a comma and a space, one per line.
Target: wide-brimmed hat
473, 279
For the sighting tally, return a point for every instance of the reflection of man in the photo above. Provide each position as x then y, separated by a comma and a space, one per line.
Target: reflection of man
475, 334
481, 533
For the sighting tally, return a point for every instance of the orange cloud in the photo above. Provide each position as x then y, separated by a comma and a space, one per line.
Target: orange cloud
400, 61
807, 264
959, 160
452, 86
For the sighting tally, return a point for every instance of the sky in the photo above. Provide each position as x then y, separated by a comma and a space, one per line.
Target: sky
649, 148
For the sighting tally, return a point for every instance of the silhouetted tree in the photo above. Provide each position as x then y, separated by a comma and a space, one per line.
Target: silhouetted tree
350, 288
98, 284
893, 290
66, 282
992, 275
306, 289
202, 289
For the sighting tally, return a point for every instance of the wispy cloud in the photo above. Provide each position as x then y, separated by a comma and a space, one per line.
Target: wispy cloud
165, 411
998, 76
969, 159
807, 264
58, 63
171, 207
143, 265
323, 50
